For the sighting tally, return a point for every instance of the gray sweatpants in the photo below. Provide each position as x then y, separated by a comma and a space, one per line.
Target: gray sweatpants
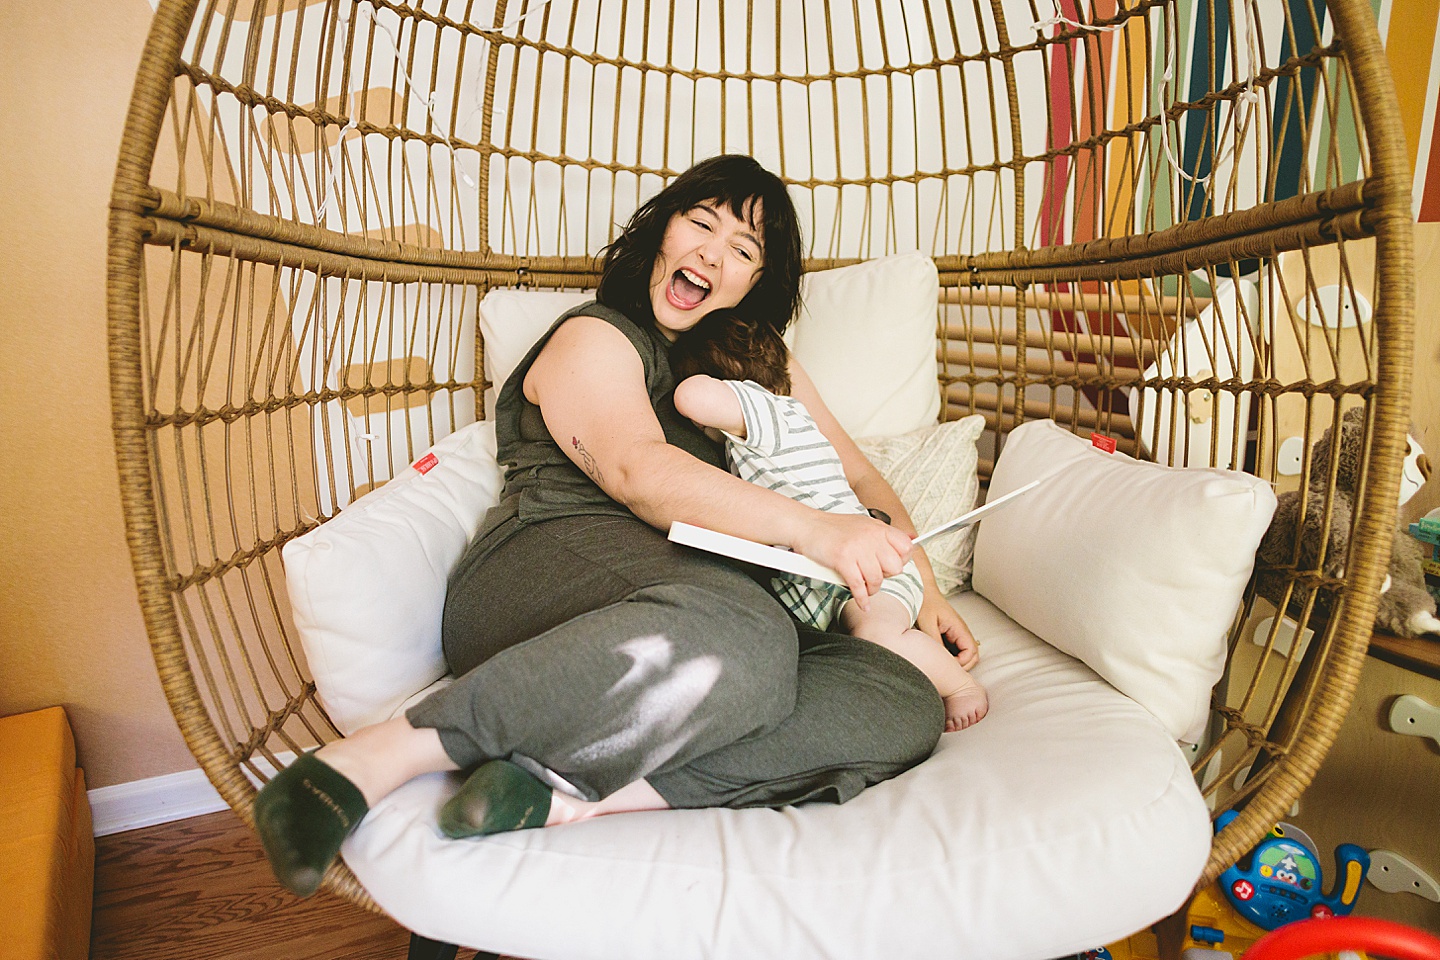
603, 652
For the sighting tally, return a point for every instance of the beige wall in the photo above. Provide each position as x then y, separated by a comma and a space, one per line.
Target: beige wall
1425, 397
70, 626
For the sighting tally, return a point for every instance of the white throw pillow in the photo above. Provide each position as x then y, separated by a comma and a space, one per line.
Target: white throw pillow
512, 320
368, 586
1134, 568
933, 471
866, 336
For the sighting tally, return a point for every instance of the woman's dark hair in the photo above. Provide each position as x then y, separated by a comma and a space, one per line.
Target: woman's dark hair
729, 346
731, 179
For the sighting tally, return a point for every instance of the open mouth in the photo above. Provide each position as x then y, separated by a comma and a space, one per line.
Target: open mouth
687, 289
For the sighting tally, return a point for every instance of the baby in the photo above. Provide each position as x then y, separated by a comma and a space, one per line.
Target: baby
734, 378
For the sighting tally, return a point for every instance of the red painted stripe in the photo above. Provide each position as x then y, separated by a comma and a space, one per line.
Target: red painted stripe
1430, 204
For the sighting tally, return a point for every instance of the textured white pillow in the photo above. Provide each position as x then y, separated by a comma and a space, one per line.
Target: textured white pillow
866, 336
512, 320
368, 586
933, 471
1132, 567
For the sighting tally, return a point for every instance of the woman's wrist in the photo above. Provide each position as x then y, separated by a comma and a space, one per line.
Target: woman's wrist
927, 573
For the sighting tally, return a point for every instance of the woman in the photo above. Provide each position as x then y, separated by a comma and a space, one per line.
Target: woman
599, 667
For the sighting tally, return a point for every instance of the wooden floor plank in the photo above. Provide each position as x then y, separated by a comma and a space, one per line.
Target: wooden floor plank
200, 889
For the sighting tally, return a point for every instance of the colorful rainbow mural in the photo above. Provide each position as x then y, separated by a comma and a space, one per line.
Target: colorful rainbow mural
1410, 30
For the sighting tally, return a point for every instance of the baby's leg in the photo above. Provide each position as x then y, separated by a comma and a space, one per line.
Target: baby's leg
888, 624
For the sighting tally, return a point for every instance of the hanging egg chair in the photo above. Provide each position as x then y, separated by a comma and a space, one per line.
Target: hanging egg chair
1181, 227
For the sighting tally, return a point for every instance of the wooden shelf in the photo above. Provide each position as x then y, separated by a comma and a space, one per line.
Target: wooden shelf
1412, 653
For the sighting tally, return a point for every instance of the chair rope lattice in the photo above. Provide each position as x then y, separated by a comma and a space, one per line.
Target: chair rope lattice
1186, 225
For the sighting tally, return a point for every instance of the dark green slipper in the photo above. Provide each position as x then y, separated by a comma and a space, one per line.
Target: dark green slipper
302, 816
497, 798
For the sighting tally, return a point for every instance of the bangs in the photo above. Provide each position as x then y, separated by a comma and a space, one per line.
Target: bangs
741, 202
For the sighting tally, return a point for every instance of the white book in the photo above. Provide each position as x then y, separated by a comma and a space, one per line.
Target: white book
776, 558
780, 558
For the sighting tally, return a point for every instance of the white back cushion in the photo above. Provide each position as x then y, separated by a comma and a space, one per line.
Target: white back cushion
368, 587
512, 320
866, 336
1132, 567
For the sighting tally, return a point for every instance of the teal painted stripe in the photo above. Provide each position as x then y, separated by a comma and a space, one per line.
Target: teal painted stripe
1294, 100
1159, 184
1202, 127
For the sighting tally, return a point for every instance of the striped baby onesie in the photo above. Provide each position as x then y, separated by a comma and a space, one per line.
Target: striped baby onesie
784, 450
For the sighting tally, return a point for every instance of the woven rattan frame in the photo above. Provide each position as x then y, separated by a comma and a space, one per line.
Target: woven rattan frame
220, 242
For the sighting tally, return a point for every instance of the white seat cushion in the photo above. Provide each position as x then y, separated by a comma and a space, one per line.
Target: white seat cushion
1067, 819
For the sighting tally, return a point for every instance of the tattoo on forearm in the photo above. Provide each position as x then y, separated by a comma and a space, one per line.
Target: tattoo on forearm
587, 462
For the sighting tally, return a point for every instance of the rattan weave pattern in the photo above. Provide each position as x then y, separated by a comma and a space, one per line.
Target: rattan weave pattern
312, 195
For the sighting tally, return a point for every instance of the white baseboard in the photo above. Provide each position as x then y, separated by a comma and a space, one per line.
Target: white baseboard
144, 803
164, 799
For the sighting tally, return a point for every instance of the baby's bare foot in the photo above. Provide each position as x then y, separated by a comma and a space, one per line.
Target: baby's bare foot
966, 706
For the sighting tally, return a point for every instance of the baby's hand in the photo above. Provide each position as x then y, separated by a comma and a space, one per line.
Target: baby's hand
862, 550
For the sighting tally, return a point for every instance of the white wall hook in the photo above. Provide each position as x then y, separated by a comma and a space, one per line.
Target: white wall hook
1289, 458
1335, 307
1392, 873
1415, 718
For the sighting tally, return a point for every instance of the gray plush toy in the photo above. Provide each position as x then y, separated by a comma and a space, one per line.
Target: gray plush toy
1406, 607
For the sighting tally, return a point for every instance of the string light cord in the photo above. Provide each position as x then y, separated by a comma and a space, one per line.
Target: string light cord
1250, 96
1240, 124
367, 9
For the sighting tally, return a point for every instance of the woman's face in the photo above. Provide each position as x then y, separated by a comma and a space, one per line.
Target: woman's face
708, 259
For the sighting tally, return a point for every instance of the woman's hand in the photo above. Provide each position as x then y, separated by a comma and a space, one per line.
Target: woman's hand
939, 620
861, 549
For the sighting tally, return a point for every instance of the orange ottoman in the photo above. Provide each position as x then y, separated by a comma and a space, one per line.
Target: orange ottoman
47, 845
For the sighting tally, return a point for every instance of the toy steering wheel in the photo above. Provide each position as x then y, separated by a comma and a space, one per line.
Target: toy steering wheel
1310, 937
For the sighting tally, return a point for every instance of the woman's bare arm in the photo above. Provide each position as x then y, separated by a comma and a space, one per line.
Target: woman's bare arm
590, 386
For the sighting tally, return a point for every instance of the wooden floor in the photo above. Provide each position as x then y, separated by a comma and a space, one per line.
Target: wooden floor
200, 889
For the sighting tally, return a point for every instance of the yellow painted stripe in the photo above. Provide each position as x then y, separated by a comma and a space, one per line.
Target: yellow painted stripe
1409, 46
1125, 155
1130, 98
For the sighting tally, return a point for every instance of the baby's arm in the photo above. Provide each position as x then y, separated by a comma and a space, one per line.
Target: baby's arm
710, 403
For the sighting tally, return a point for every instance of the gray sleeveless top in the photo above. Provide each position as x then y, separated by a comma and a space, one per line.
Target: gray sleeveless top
541, 482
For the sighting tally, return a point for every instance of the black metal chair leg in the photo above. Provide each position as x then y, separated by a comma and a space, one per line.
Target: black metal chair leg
423, 948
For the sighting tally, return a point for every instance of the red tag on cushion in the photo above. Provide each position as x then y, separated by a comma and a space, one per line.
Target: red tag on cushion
1103, 442
426, 463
